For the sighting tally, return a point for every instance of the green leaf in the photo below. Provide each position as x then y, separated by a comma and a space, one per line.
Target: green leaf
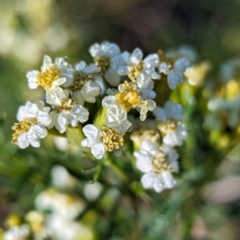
75, 135
100, 117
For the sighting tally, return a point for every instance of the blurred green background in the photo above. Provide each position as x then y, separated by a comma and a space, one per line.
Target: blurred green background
31, 28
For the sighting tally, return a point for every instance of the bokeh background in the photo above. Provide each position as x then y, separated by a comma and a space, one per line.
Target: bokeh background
207, 205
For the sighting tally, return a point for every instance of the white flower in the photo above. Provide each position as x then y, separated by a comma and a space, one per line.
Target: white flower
68, 113
64, 205
93, 140
62, 179
33, 119
139, 69
20, 232
176, 136
82, 85
174, 73
169, 111
116, 115
65, 229
105, 49
107, 56
157, 165
52, 76
88, 93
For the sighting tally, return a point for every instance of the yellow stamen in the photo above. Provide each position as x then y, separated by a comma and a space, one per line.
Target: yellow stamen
161, 164
103, 63
111, 139
65, 105
80, 79
128, 96
22, 127
135, 70
168, 126
46, 78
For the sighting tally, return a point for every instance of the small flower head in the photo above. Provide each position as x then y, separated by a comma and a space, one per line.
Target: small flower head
116, 115
135, 66
130, 97
111, 139
33, 119
101, 140
68, 112
157, 164
173, 68
107, 57
83, 86
52, 76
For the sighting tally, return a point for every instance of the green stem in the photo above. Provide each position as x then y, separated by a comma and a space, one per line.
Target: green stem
117, 170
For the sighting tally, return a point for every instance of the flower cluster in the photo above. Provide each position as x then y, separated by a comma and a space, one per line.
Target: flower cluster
118, 84
223, 106
55, 213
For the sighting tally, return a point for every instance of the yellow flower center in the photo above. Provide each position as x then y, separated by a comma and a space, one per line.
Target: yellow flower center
46, 78
80, 79
22, 127
135, 70
65, 105
168, 126
128, 95
111, 139
161, 164
103, 63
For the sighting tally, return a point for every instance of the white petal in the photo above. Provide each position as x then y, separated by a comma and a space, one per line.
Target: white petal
23, 141
149, 147
47, 61
95, 49
98, 150
59, 82
35, 143
62, 121
53, 115
112, 77
54, 96
80, 66
91, 131
90, 91
123, 70
174, 78
182, 64
136, 56
110, 48
158, 183
36, 132
151, 60
169, 181
173, 111
44, 118
92, 68
144, 161
125, 57
160, 114
78, 114
32, 79
147, 180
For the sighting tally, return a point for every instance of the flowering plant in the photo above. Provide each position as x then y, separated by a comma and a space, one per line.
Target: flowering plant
100, 103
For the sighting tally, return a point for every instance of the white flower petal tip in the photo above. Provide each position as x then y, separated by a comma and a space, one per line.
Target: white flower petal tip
93, 140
